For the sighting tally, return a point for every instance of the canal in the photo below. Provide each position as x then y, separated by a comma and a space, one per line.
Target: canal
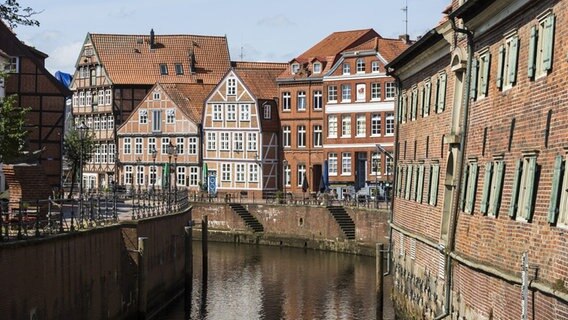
262, 282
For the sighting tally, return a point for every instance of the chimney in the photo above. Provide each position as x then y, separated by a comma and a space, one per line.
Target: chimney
405, 38
152, 40
192, 59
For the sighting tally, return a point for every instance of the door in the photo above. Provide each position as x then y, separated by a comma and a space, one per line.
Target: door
361, 171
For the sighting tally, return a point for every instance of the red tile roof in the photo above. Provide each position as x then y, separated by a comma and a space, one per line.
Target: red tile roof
260, 77
388, 48
190, 98
128, 59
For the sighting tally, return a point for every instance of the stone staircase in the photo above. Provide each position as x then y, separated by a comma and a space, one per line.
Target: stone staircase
344, 220
249, 220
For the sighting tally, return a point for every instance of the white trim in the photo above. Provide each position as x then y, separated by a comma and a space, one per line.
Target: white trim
356, 145
375, 75
360, 107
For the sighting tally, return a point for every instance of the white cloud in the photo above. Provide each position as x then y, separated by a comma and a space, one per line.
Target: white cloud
275, 21
63, 58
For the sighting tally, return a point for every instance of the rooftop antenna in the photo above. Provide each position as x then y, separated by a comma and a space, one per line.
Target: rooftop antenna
405, 10
242, 55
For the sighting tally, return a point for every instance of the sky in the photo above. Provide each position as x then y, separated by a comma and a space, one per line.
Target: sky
259, 30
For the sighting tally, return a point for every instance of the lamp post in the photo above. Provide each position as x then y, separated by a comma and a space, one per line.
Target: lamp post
175, 152
154, 154
376, 170
284, 165
83, 131
169, 151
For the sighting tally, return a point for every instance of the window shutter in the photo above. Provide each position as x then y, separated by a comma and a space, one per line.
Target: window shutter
464, 187
548, 42
485, 78
472, 187
408, 182
513, 56
398, 180
427, 99
473, 82
499, 171
414, 104
515, 188
399, 111
442, 93
554, 195
532, 52
420, 183
528, 205
404, 103
415, 189
500, 65
486, 187
434, 185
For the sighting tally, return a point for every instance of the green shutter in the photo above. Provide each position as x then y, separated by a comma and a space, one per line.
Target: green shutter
472, 187
434, 185
463, 192
415, 187
486, 187
408, 182
414, 103
554, 195
529, 189
398, 180
473, 82
515, 188
485, 75
500, 65
404, 103
442, 93
427, 98
399, 112
420, 183
497, 186
513, 57
532, 53
548, 42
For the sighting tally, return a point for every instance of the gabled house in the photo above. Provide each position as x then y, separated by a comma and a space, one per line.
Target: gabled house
240, 130
115, 72
168, 117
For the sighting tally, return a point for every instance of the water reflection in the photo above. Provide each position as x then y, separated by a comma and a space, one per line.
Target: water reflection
259, 282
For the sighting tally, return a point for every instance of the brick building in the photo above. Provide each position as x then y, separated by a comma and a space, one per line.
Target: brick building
240, 130
481, 185
115, 72
38, 90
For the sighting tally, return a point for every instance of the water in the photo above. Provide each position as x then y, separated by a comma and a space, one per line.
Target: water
261, 282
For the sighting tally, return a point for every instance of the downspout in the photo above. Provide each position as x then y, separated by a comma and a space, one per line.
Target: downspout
461, 159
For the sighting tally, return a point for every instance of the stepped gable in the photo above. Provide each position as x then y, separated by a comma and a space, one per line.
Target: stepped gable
190, 98
260, 77
131, 59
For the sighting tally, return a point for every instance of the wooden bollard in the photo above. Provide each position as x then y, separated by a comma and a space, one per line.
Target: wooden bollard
142, 272
204, 246
379, 279
188, 268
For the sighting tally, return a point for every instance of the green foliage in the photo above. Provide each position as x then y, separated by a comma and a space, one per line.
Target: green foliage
13, 133
13, 14
75, 149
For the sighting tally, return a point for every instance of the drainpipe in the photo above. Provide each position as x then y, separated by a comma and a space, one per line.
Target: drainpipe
461, 159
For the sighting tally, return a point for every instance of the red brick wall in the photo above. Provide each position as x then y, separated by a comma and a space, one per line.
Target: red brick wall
26, 183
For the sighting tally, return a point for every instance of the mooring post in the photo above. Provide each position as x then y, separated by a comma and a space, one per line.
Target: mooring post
188, 268
379, 277
142, 272
204, 245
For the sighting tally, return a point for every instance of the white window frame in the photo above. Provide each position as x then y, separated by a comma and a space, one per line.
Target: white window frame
376, 91
224, 141
143, 116
376, 124
346, 68
301, 102
127, 145
361, 126
332, 163
231, 86
389, 124
156, 120
193, 176
346, 125
252, 141
345, 93
346, 164
231, 112
360, 65
318, 136
301, 173
192, 145
151, 145
294, 68
164, 142
128, 175
138, 145
287, 175
301, 129
180, 145
332, 126
180, 176
238, 141
217, 112
170, 116
332, 94
317, 67
286, 136
318, 100
253, 172
211, 141
375, 66
245, 112
361, 92
286, 101
226, 172
240, 172
267, 110
390, 90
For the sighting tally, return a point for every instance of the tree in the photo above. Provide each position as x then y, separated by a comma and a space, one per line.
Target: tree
13, 132
13, 14
74, 148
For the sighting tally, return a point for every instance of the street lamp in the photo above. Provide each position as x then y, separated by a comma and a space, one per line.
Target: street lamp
154, 154
175, 151
83, 131
170, 152
284, 166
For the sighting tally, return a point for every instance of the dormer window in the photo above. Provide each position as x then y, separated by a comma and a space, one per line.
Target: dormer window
360, 66
231, 86
375, 66
317, 67
163, 69
346, 68
295, 68
179, 69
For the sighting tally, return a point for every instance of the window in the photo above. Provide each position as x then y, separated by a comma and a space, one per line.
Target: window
138, 146
286, 101
97, 123
170, 116
332, 126
180, 143
252, 141
375, 91
301, 174
318, 134
245, 112
522, 192
345, 93
267, 111
559, 195
480, 76
301, 136
332, 164
193, 176
376, 124
419, 186
151, 145
108, 96
301, 100
496, 185
295, 68
180, 176
390, 90
93, 77
81, 98
211, 141
441, 92
110, 122
469, 187
332, 93
346, 68
140, 175
192, 145
101, 99
317, 67
238, 141
376, 164
408, 184
12, 66
360, 66
361, 125
156, 96
127, 146
507, 62
179, 69
414, 104
361, 92
153, 175
156, 120
163, 69
128, 175
318, 100
143, 116
375, 67
231, 86
286, 136
111, 153
541, 47
426, 98
231, 110
240, 172
389, 165
88, 98
287, 175
253, 172
165, 143
433, 187
226, 172
346, 125
75, 96
346, 163
217, 112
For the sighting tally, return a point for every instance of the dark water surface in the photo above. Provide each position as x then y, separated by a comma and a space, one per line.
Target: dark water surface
261, 282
